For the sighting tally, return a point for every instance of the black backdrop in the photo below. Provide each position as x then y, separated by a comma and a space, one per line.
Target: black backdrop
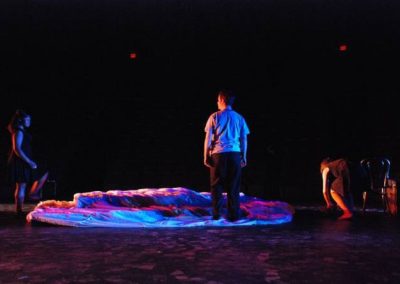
103, 121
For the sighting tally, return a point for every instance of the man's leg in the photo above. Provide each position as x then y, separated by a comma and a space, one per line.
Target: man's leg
233, 186
216, 183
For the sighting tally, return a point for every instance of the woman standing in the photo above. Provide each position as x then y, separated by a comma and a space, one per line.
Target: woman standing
23, 170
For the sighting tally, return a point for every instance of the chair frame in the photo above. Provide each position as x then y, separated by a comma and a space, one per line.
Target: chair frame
381, 188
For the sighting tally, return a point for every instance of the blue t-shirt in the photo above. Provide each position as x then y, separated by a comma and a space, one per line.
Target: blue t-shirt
226, 127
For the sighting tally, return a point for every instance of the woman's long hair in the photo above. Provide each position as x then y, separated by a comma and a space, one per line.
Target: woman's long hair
324, 163
17, 120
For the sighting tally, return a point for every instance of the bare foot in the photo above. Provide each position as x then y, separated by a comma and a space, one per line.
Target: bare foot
346, 216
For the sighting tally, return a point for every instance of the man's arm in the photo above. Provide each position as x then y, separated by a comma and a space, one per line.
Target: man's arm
243, 150
207, 148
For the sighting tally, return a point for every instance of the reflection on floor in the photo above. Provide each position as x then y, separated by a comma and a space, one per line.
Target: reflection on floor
313, 248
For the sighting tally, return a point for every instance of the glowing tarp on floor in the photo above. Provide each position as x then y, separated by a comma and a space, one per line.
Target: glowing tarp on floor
154, 207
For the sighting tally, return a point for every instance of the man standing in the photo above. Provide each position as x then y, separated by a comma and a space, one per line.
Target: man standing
225, 150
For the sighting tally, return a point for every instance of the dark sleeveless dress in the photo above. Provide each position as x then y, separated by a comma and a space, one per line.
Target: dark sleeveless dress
18, 170
339, 176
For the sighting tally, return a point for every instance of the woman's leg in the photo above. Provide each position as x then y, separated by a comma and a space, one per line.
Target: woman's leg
37, 185
347, 214
19, 196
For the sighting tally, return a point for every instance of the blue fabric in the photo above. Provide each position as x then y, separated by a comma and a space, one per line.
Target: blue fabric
163, 207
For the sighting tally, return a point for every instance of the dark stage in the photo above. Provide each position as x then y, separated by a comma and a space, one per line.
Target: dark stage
313, 248
313, 79
119, 92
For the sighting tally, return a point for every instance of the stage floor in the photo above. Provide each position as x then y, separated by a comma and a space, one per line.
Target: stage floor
313, 248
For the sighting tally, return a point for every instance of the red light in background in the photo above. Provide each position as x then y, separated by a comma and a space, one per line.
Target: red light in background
342, 47
132, 55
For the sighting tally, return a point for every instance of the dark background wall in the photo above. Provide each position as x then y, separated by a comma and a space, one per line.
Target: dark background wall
103, 121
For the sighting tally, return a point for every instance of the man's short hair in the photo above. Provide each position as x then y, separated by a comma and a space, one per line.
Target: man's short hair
227, 96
